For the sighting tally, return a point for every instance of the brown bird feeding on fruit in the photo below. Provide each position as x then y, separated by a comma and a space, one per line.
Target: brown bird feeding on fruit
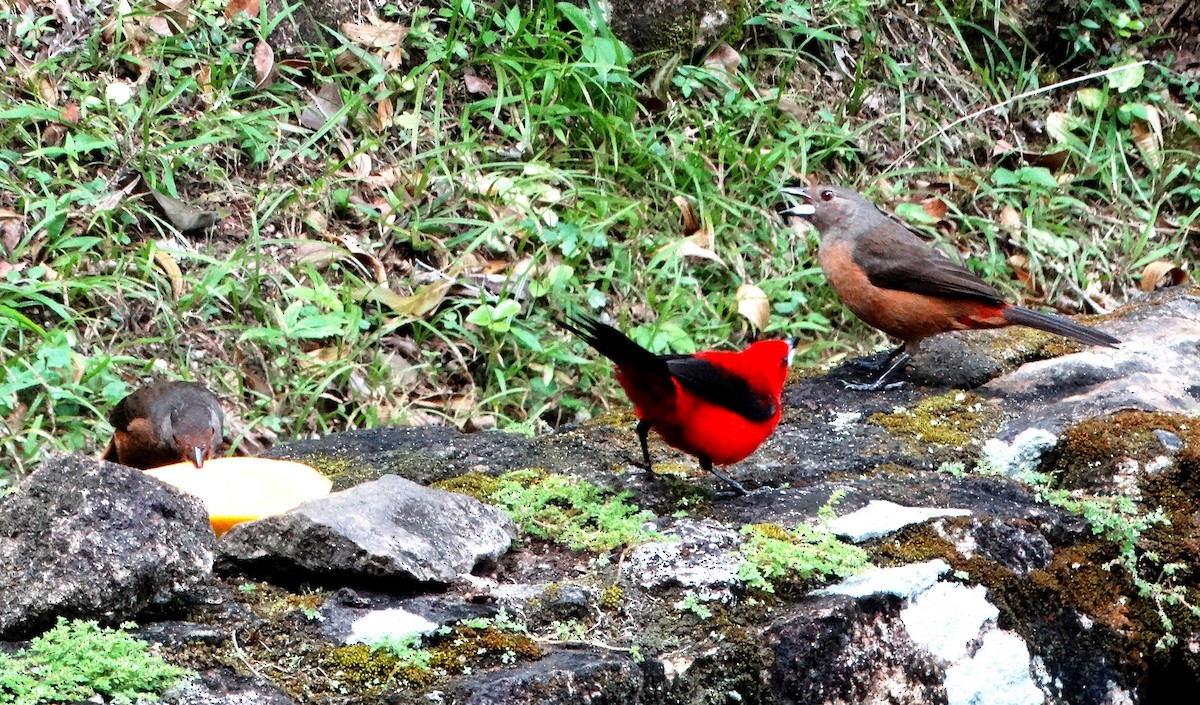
165, 423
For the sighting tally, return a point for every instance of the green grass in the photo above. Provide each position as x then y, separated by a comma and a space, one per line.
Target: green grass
401, 262
76, 660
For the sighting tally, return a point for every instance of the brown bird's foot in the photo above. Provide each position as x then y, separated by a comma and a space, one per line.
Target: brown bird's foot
877, 362
877, 386
882, 384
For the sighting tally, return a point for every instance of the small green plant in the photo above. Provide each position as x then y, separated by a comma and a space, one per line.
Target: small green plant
571, 511
692, 602
77, 660
772, 555
407, 649
1120, 521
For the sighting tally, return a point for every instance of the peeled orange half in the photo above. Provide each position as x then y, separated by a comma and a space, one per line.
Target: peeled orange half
244, 489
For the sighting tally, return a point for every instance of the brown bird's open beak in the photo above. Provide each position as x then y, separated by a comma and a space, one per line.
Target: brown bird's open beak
197, 456
802, 209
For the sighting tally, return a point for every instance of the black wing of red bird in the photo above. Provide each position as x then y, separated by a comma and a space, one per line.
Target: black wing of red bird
718, 387
912, 265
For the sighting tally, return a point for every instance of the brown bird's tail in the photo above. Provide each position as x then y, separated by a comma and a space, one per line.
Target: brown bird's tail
1050, 323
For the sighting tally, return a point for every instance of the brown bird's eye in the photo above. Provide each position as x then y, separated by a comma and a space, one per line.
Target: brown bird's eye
827, 195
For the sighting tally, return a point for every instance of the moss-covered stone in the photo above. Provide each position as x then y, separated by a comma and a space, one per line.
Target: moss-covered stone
955, 418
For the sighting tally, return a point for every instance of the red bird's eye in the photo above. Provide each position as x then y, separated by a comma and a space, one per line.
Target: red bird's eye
827, 195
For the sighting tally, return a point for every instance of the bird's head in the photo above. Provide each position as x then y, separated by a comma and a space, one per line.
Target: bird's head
195, 431
833, 209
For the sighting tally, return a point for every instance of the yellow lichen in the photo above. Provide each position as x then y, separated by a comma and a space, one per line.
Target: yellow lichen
952, 419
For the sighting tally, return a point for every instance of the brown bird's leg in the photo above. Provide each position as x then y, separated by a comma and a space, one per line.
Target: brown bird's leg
901, 360
643, 434
876, 363
736, 486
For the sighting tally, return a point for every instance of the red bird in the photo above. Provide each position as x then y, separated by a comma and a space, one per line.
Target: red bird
164, 423
895, 282
718, 406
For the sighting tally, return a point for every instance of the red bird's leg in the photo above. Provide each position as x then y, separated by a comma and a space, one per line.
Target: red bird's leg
879, 384
736, 486
643, 434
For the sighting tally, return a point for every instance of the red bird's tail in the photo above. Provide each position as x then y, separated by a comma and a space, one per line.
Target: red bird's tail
1050, 323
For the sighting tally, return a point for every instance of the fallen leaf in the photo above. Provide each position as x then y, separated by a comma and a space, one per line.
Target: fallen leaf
170, 267
321, 107
935, 207
753, 305
1148, 135
380, 35
1161, 274
423, 300
264, 64
250, 7
1009, 219
185, 218
687, 214
477, 85
700, 245
1020, 267
724, 57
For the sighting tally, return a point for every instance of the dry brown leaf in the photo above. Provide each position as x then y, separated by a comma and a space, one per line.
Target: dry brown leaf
1161, 274
477, 85
160, 25
935, 207
170, 267
423, 300
385, 113
753, 305
1020, 267
317, 253
1148, 135
687, 214
380, 35
47, 91
184, 217
322, 106
1009, 219
250, 7
54, 134
724, 57
264, 64
11, 229
700, 245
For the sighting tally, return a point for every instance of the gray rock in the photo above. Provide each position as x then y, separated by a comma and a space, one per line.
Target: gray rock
838, 649
1155, 368
220, 686
388, 528
704, 558
565, 677
88, 539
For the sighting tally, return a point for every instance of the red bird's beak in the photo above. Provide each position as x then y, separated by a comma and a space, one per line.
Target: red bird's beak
792, 343
802, 209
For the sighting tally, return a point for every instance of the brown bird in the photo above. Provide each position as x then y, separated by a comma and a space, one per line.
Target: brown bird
164, 423
892, 280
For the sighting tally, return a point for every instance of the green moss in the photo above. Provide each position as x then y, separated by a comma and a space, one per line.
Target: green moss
1087, 453
473, 484
463, 648
76, 660
611, 596
952, 419
361, 667
571, 511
